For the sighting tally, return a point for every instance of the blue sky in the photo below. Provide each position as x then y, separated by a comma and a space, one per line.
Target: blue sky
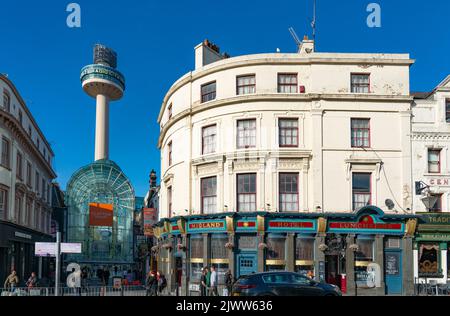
155, 41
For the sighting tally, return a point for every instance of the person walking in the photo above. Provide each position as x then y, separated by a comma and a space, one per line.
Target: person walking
162, 282
310, 275
208, 282
203, 285
11, 281
214, 282
152, 284
229, 281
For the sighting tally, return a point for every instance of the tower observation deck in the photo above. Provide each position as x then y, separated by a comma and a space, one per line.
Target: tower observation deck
103, 82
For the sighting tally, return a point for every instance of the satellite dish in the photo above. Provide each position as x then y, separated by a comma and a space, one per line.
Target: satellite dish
390, 204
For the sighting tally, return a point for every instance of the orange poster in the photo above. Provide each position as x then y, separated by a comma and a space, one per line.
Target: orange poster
101, 215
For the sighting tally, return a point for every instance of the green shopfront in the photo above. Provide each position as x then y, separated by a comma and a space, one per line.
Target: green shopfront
338, 248
431, 247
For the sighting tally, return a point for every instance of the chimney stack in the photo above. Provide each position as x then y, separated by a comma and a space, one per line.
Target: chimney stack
207, 53
307, 46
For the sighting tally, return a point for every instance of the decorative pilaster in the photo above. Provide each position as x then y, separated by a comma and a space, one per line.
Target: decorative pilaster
350, 266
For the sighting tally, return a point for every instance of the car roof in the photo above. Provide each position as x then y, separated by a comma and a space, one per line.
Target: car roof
269, 273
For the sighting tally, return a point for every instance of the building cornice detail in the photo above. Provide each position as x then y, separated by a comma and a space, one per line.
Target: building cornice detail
20, 133
198, 108
257, 61
430, 136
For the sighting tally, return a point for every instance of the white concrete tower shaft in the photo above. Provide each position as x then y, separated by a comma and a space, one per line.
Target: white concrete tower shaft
102, 128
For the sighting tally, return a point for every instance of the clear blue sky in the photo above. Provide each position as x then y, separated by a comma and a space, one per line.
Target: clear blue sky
155, 41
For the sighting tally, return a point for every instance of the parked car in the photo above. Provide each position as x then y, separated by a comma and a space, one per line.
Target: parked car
282, 284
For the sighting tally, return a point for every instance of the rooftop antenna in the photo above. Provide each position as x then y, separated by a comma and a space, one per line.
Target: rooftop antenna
313, 23
296, 39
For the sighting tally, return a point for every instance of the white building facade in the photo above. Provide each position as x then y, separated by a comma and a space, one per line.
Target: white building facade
431, 172
322, 116
288, 162
26, 174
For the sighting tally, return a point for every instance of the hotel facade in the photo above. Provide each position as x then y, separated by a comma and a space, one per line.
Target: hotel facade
292, 162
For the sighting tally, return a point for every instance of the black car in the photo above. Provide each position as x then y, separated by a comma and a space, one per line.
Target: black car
282, 284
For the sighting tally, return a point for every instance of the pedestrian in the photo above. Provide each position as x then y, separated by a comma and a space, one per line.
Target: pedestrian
162, 282
106, 275
208, 281
32, 281
310, 275
203, 285
214, 280
229, 281
11, 281
152, 284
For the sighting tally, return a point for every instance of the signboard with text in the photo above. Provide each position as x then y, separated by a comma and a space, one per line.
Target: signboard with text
150, 219
43, 249
101, 215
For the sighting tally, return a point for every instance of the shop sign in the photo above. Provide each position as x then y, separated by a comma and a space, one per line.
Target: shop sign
150, 219
206, 226
436, 219
291, 225
101, 215
24, 236
440, 182
433, 237
367, 223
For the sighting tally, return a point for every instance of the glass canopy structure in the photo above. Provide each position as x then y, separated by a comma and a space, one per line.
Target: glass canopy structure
101, 182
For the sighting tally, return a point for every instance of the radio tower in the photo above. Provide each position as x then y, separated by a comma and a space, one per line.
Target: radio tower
103, 82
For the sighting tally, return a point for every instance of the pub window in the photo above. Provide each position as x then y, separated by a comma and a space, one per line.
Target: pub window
209, 195
209, 139
304, 255
208, 92
434, 160
360, 83
246, 134
289, 192
246, 192
276, 252
362, 190
3, 203
363, 257
288, 132
287, 83
196, 257
246, 84
428, 259
219, 255
6, 153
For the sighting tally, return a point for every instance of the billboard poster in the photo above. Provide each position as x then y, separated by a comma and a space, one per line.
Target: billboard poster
101, 215
150, 219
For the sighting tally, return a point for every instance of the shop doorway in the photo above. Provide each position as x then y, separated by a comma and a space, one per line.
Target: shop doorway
335, 259
393, 272
178, 273
247, 263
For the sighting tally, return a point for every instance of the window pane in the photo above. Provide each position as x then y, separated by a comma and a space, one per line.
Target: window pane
208, 92
246, 134
209, 139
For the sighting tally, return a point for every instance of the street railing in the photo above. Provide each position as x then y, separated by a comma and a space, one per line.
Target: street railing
83, 291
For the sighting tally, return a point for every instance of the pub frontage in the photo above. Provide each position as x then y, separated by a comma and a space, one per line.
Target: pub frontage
431, 246
337, 247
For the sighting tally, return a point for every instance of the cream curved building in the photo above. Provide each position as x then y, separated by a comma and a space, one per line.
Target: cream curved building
273, 140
